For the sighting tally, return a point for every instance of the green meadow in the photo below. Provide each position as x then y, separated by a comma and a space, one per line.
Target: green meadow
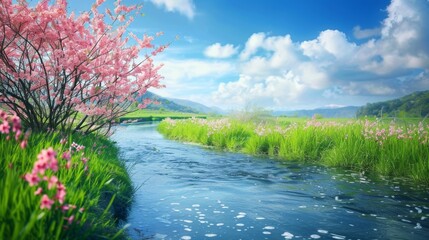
148, 115
375, 147
96, 184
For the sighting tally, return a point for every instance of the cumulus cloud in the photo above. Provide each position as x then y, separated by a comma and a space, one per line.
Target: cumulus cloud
218, 51
360, 33
184, 7
185, 77
394, 60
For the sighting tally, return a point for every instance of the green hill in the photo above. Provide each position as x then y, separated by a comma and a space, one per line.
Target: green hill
165, 104
413, 105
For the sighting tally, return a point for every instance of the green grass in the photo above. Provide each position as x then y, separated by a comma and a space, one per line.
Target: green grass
157, 115
398, 149
104, 190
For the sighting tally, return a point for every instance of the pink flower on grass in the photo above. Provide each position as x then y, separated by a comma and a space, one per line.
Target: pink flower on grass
67, 155
23, 144
61, 193
38, 191
46, 202
70, 219
4, 128
52, 182
32, 178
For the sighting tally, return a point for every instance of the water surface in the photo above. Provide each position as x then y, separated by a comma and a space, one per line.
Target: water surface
191, 192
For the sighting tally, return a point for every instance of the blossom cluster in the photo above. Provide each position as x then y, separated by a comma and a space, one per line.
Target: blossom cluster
48, 185
379, 133
11, 124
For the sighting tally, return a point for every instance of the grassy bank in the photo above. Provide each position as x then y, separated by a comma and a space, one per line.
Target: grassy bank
147, 115
81, 195
375, 147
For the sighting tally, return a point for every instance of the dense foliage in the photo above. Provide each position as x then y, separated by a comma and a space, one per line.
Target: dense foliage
413, 105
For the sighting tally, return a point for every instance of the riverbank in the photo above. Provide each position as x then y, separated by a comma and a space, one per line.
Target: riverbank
147, 115
372, 147
60, 187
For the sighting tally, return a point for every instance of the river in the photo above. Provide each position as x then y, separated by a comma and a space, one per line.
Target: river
192, 192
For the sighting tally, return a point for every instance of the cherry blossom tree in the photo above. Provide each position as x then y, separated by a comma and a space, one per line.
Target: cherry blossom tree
72, 72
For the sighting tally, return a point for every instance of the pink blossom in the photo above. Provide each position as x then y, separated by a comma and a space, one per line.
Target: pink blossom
70, 219
32, 178
52, 182
67, 155
23, 144
63, 141
46, 202
61, 193
38, 191
4, 128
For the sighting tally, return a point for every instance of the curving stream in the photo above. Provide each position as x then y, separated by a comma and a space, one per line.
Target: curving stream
191, 192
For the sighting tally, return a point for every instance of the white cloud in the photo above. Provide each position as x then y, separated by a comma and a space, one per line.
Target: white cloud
186, 77
360, 33
218, 51
276, 71
184, 7
253, 43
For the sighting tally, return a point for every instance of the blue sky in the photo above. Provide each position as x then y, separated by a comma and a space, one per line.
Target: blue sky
291, 54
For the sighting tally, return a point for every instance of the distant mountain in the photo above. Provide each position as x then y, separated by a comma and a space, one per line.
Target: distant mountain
413, 105
341, 112
197, 106
166, 104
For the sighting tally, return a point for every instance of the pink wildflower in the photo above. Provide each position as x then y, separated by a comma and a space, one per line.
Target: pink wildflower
46, 202
32, 178
4, 128
70, 219
67, 155
61, 193
38, 191
68, 165
23, 144
63, 141
52, 182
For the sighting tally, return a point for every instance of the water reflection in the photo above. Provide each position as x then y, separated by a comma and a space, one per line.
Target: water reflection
190, 192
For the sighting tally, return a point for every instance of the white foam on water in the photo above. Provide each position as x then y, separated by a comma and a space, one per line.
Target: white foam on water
217, 211
195, 205
210, 235
160, 236
175, 203
266, 233
322, 231
302, 206
269, 228
188, 209
336, 236
287, 235
186, 238
240, 224
315, 236
418, 226
188, 229
187, 221
419, 210
219, 224
260, 218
